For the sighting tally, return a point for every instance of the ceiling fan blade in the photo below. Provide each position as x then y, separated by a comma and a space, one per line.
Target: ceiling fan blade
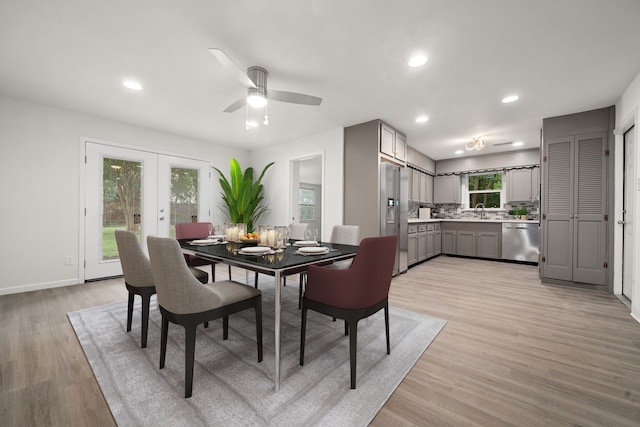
231, 66
293, 97
236, 105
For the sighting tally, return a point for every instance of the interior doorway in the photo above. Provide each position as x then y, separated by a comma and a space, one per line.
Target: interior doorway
307, 192
628, 203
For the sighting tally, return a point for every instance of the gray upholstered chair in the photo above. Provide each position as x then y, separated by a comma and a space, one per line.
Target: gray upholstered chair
184, 301
352, 294
138, 278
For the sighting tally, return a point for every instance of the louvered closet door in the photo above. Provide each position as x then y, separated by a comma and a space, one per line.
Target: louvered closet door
558, 230
589, 209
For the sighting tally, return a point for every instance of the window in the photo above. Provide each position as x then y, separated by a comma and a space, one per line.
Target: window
307, 204
485, 188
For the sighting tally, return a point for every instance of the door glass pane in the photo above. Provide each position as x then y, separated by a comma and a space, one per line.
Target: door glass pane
184, 197
307, 202
121, 197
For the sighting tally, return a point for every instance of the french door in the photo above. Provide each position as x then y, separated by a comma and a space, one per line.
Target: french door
141, 191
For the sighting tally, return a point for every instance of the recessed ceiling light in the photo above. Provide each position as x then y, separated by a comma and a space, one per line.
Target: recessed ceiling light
459, 152
132, 85
417, 61
422, 119
518, 143
510, 98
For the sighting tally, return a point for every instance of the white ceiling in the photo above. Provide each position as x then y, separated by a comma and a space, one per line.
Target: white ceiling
561, 57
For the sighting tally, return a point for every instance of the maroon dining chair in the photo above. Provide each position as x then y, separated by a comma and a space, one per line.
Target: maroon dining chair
354, 293
197, 230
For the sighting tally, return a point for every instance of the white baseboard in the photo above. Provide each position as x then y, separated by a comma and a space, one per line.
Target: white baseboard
38, 286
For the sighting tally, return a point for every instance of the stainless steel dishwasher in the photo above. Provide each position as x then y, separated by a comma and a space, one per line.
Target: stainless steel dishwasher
520, 241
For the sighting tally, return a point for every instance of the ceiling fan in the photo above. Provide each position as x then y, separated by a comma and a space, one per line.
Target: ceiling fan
255, 80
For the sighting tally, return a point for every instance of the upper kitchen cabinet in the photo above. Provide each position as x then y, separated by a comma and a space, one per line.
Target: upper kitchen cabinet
446, 189
392, 143
523, 185
574, 223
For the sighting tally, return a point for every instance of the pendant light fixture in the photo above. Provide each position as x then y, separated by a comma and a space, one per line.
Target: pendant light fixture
476, 143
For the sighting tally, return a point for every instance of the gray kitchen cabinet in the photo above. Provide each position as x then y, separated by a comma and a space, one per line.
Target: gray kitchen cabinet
412, 251
414, 189
520, 185
431, 240
488, 244
466, 243
423, 187
429, 191
393, 143
472, 239
577, 173
448, 241
438, 240
446, 189
422, 242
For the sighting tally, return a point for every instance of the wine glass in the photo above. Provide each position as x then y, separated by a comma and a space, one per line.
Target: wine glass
315, 235
211, 229
308, 234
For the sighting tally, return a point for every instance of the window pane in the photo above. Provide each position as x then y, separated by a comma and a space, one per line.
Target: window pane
307, 213
306, 196
489, 200
184, 197
485, 182
121, 180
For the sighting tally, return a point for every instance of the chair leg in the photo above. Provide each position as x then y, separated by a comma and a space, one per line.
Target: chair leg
346, 327
386, 327
213, 272
146, 301
225, 327
130, 311
163, 340
206, 325
256, 280
189, 356
259, 329
229, 272
303, 332
353, 344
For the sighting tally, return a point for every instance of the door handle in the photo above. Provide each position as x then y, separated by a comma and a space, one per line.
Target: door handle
622, 222
161, 218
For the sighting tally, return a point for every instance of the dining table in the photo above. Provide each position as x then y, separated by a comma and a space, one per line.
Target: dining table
279, 263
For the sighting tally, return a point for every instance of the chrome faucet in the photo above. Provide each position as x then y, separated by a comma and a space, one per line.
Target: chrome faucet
475, 210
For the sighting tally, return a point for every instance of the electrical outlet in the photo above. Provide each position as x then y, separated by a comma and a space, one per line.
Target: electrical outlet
68, 260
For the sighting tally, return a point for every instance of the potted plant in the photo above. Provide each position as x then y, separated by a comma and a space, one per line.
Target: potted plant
242, 195
519, 213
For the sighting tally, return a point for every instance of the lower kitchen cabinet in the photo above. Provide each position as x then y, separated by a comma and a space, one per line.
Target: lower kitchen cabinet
424, 242
472, 239
412, 250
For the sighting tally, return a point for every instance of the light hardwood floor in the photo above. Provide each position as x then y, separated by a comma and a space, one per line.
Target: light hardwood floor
514, 352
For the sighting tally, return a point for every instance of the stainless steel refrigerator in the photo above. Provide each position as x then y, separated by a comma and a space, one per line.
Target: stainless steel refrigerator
394, 209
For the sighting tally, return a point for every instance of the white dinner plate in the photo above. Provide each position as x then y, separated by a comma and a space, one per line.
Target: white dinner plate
303, 243
204, 242
255, 250
314, 250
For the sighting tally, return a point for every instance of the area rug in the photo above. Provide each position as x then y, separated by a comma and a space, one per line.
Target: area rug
230, 387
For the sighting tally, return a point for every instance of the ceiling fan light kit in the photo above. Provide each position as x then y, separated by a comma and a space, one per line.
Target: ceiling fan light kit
476, 143
255, 80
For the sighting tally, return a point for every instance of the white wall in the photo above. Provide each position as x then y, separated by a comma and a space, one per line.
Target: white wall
627, 114
40, 181
277, 194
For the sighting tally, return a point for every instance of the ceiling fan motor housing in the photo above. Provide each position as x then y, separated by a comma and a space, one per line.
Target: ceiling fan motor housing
258, 76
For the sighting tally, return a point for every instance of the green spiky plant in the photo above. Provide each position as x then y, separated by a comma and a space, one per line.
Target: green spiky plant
242, 196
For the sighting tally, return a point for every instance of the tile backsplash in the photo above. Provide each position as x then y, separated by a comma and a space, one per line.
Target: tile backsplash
454, 211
